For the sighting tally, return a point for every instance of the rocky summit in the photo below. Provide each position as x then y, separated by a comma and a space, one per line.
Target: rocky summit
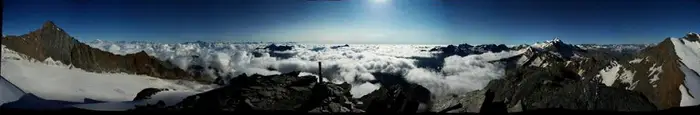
285, 92
50, 41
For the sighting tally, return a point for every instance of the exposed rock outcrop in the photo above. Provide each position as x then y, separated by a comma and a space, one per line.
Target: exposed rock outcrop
467, 103
466, 49
408, 98
275, 47
557, 87
147, 93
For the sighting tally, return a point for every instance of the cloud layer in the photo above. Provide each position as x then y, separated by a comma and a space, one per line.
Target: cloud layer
354, 64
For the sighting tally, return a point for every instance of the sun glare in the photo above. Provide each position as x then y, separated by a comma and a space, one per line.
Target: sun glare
379, 1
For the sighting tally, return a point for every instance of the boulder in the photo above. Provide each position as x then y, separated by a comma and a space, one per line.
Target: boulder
470, 102
147, 93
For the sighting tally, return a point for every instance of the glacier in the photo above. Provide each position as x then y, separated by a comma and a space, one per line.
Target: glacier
52, 80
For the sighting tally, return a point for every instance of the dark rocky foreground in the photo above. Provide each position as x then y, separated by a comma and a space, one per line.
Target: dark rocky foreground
290, 93
50, 41
286, 92
526, 90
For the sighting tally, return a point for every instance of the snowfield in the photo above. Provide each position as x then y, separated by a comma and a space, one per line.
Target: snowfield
54, 81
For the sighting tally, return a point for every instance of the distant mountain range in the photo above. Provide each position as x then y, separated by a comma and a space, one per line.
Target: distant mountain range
549, 74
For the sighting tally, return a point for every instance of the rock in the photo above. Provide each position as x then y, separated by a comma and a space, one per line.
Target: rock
286, 92
526, 88
692, 37
398, 98
336, 47
466, 49
470, 102
274, 47
147, 93
489, 106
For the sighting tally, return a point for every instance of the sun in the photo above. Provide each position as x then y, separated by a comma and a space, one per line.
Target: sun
379, 1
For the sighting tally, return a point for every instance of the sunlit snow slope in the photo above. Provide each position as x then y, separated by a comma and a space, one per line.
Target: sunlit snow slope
52, 80
689, 53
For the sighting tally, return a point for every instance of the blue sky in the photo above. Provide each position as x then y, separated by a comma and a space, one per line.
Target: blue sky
361, 21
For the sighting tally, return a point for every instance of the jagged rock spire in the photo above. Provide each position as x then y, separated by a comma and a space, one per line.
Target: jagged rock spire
692, 36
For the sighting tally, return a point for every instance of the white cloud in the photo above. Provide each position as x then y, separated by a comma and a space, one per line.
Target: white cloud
461, 74
352, 64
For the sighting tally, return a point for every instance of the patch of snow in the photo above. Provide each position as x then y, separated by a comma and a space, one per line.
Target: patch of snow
363, 89
522, 60
626, 76
580, 72
654, 73
311, 74
632, 85
609, 74
537, 62
615, 72
636, 60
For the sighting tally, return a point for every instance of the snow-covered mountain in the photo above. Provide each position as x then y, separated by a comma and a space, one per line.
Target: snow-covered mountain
666, 73
50, 41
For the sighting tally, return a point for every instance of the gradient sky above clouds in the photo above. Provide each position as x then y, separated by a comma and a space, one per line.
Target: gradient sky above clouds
361, 21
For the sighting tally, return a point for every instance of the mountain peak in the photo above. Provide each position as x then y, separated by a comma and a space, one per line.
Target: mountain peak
556, 40
49, 24
692, 36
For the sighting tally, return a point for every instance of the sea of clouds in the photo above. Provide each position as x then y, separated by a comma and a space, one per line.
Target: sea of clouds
354, 64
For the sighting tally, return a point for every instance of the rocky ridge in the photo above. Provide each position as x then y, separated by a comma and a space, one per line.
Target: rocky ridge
50, 41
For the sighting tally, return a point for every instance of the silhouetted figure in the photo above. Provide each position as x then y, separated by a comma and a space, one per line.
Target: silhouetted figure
320, 73
491, 107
